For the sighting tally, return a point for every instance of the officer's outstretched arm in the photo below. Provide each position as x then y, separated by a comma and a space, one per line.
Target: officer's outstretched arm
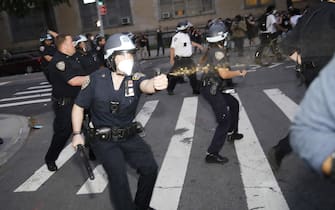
159, 82
225, 73
78, 80
77, 120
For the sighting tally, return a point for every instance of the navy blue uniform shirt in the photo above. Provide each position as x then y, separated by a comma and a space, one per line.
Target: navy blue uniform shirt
99, 94
88, 61
47, 50
63, 68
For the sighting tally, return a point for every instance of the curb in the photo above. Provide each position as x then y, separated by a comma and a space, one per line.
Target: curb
14, 130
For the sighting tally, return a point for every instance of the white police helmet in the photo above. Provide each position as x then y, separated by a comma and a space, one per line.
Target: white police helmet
78, 39
217, 32
45, 37
183, 25
117, 43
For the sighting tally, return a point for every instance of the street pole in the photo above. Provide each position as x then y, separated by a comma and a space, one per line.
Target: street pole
100, 18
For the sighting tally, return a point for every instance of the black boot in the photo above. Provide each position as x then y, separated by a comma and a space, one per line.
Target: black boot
234, 136
215, 158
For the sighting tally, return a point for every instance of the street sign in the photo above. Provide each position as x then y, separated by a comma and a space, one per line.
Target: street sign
103, 9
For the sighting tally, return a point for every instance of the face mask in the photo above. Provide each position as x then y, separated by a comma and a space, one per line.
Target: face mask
126, 66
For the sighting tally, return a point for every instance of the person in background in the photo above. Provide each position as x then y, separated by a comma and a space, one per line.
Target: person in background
160, 41
47, 50
180, 57
216, 91
65, 74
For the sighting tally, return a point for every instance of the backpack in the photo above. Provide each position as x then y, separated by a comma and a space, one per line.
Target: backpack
261, 22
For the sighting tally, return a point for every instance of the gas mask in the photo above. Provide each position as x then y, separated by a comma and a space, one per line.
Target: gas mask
126, 66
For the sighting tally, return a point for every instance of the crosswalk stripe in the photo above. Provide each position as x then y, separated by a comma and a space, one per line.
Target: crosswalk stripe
25, 97
260, 185
39, 87
44, 83
25, 102
33, 91
100, 182
4, 83
170, 181
287, 106
43, 174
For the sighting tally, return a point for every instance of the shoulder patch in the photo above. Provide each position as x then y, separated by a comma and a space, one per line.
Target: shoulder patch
137, 76
86, 83
219, 55
42, 48
60, 65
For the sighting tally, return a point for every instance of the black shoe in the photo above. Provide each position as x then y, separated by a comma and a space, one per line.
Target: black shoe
170, 93
51, 166
274, 159
196, 92
1, 141
235, 136
215, 158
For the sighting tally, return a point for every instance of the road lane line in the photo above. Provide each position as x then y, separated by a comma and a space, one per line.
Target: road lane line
25, 97
260, 185
4, 83
43, 174
170, 181
39, 87
25, 102
33, 91
286, 105
100, 182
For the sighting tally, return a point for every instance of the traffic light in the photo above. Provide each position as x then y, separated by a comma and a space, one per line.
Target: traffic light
101, 2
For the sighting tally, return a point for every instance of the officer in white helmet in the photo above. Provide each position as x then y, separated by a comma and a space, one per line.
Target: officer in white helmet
112, 95
87, 59
216, 91
180, 57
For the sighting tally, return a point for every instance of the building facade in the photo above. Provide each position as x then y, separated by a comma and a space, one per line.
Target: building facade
121, 16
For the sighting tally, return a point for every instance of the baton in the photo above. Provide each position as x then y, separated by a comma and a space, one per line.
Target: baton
86, 162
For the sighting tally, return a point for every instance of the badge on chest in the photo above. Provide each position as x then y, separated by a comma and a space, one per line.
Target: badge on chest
129, 89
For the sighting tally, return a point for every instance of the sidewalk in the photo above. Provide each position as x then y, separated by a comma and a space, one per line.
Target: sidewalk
14, 130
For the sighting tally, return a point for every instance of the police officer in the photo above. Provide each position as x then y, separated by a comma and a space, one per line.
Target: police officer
311, 44
214, 90
47, 50
115, 139
180, 57
64, 72
87, 59
99, 49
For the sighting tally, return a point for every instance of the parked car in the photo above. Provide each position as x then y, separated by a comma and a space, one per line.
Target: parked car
19, 64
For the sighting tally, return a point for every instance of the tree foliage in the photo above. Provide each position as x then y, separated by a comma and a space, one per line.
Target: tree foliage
22, 7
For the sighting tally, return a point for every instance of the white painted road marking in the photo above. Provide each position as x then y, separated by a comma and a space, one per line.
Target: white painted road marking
33, 91
25, 97
287, 106
260, 185
39, 87
170, 181
25, 102
43, 174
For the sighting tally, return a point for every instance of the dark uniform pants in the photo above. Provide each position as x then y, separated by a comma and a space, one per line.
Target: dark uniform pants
183, 62
62, 127
226, 110
113, 156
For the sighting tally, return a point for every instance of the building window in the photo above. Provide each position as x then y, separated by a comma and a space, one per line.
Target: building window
185, 8
118, 14
257, 3
29, 27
